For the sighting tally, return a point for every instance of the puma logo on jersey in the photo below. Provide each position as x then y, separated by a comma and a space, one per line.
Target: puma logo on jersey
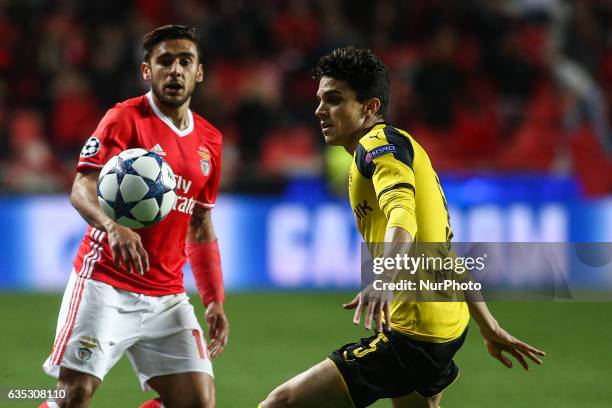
361, 210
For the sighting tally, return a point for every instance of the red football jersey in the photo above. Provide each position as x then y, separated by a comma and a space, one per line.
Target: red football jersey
195, 156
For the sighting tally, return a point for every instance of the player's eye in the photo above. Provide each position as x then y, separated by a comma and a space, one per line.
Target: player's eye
333, 100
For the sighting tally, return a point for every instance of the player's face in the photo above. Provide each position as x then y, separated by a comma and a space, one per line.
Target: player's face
173, 70
339, 111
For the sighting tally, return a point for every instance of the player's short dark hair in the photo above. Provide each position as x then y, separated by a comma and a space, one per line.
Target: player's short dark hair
363, 71
169, 32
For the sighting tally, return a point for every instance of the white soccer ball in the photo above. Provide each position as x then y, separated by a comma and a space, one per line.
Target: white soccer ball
136, 188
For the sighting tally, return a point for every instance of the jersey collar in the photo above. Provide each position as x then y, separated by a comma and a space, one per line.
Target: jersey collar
167, 120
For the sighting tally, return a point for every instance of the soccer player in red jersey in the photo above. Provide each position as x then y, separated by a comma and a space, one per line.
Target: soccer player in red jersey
125, 294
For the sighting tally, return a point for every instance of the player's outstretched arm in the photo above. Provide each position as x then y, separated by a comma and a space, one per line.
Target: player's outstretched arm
376, 303
124, 243
203, 254
497, 340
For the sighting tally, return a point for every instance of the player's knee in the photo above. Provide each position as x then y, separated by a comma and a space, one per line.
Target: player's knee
77, 394
205, 398
434, 402
78, 388
281, 397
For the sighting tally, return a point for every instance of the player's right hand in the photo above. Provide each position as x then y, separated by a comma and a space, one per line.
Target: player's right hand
127, 248
376, 306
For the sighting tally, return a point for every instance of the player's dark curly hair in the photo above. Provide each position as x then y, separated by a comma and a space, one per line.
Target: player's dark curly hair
362, 71
169, 32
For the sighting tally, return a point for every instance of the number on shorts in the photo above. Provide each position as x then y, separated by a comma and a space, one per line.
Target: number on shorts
199, 343
361, 351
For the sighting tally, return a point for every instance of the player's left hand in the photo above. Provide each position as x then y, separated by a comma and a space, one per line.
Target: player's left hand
376, 305
218, 328
499, 340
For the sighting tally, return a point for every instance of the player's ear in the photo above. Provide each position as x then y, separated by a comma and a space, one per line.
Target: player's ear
145, 68
372, 106
200, 73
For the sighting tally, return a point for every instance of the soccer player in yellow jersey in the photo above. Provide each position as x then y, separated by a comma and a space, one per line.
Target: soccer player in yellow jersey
396, 198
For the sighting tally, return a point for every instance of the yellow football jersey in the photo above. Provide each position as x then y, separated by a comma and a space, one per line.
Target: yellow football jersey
390, 169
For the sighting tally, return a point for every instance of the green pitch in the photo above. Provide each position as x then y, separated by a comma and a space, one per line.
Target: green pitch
275, 336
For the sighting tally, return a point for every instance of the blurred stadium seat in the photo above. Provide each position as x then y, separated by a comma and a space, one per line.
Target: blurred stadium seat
487, 86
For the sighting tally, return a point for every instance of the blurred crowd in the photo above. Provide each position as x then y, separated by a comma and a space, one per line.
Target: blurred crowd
484, 85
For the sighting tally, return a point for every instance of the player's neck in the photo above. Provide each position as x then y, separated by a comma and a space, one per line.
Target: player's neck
367, 126
178, 115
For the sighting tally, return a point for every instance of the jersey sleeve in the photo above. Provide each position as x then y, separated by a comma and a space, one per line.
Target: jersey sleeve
389, 161
208, 195
111, 137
